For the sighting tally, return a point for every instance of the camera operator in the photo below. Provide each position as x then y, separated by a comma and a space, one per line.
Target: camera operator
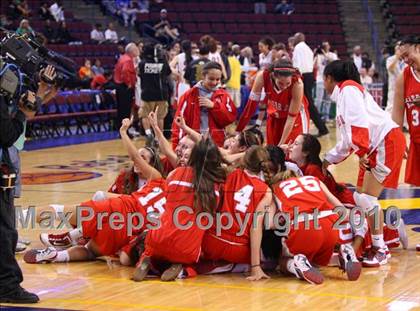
13, 117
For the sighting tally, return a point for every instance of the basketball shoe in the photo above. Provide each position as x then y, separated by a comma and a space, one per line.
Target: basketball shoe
376, 257
172, 272
349, 263
418, 247
142, 269
46, 255
305, 271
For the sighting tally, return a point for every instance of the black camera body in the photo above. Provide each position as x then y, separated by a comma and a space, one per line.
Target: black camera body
30, 57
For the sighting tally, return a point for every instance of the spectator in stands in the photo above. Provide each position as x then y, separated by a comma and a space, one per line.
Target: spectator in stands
44, 12
49, 32
233, 86
57, 11
97, 68
248, 57
260, 6
120, 52
357, 56
364, 77
22, 8
236, 51
303, 59
62, 34
323, 56
367, 62
129, 12
284, 8
5, 22
110, 34
265, 45
178, 66
25, 28
144, 6
102, 81
290, 46
154, 73
125, 78
280, 52
86, 74
215, 55
97, 34
163, 29
394, 65
193, 72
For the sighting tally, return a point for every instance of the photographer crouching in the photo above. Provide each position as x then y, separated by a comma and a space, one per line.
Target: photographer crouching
22, 91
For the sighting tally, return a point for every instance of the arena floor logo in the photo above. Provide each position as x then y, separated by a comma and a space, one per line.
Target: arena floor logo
72, 171
52, 177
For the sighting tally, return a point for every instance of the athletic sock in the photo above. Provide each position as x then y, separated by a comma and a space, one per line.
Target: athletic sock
62, 256
75, 235
378, 240
148, 132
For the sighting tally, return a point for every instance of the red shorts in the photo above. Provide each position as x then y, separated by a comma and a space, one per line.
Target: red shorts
316, 245
386, 160
173, 244
275, 127
109, 240
213, 248
412, 169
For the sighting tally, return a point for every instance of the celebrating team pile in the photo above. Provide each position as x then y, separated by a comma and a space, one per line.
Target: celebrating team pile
253, 189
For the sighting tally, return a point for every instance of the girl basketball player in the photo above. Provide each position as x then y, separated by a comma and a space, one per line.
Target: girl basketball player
245, 194
206, 107
107, 241
288, 115
370, 132
190, 190
310, 195
305, 152
407, 100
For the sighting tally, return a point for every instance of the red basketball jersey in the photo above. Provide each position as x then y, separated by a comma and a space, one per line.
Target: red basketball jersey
151, 198
303, 193
179, 238
278, 102
241, 196
412, 103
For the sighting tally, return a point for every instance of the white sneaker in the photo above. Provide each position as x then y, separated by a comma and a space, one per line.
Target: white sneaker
20, 247
349, 262
40, 255
305, 271
376, 257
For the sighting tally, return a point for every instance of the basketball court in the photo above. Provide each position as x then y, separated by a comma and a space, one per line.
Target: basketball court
72, 174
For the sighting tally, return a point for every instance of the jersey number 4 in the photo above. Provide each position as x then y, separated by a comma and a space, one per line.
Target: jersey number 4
294, 186
242, 196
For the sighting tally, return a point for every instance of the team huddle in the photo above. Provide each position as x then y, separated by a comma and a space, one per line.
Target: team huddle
253, 188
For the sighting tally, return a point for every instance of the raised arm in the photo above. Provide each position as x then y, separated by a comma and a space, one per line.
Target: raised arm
148, 171
164, 145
